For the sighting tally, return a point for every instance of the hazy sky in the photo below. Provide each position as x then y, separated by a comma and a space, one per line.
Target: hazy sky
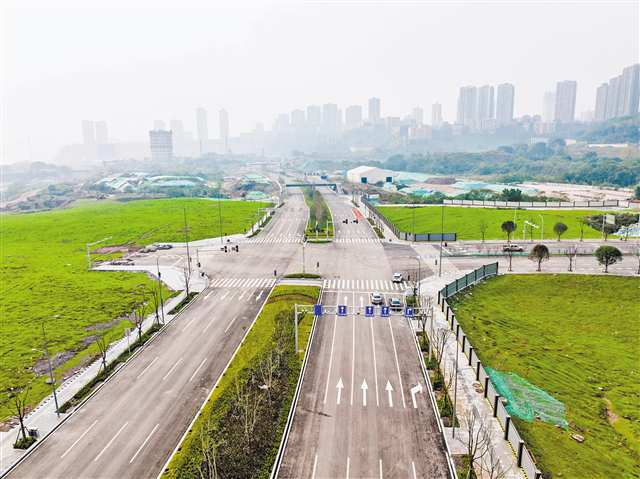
161, 60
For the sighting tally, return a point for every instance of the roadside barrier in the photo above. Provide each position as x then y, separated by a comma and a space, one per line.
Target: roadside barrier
541, 204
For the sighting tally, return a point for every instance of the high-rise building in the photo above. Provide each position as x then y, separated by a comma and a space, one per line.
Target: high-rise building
314, 115
374, 112
548, 107
282, 122
504, 104
88, 132
565, 111
159, 125
223, 119
202, 128
467, 106
631, 95
612, 98
436, 115
330, 117
353, 116
297, 118
102, 135
486, 106
601, 102
177, 130
161, 145
418, 115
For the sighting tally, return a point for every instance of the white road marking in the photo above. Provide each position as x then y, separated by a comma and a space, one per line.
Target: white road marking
414, 390
259, 295
144, 443
380, 467
413, 468
79, 439
333, 340
364, 388
224, 295
242, 295
339, 387
353, 349
172, 368
207, 326
111, 441
198, 369
315, 464
208, 294
145, 369
395, 352
188, 324
348, 464
389, 389
375, 367
229, 325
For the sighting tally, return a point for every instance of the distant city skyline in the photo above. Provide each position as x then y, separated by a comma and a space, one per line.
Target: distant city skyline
240, 57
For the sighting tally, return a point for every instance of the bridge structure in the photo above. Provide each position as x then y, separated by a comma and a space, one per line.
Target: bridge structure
302, 185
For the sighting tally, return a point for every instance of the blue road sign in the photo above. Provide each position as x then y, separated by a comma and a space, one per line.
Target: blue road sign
368, 310
384, 311
342, 310
317, 310
408, 312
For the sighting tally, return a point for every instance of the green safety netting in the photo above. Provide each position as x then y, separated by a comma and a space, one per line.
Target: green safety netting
526, 401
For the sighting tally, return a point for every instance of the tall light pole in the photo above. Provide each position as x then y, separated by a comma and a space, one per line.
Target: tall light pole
441, 238
160, 290
186, 240
220, 218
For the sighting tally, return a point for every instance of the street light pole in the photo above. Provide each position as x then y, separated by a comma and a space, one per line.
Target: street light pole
186, 240
51, 378
160, 290
220, 218
441, 238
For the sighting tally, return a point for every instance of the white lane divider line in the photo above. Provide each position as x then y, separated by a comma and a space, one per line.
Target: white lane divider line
380, 467
111, 441
172, 368
143, 444
208, 294
148, 366
224, 295
348, 464
79, 439
315, 465
395, 352
230, 323
197, 369
353, 350
333, 340
375, 367
259, 295
413, 468
207, 326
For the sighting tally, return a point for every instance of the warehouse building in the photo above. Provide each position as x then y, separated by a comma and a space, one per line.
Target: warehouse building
370, 175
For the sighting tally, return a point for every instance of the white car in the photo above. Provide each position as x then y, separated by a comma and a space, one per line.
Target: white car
397, 278
376, 298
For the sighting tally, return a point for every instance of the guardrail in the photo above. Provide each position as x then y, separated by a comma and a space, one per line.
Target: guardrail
541, 204
511, 434
404, 235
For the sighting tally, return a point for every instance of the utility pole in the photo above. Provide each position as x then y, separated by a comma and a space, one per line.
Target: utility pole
160, 290
455, 391
295, 325
186, 240
303, 261
441, 238
220, 218
51, 378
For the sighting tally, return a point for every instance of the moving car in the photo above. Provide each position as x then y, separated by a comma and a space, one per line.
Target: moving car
395, 303
164, 246
376, 298
512, 247
397, 278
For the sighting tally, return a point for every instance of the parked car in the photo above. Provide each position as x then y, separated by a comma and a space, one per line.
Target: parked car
164, 246
397, 278
395, 304
377, 298
512, 247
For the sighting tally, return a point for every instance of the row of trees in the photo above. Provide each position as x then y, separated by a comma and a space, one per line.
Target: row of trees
606, 256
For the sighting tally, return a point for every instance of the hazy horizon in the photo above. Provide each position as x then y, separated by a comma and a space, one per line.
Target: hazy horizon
131, 66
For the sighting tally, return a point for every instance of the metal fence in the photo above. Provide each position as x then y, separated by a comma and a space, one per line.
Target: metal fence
404, 235
524, 458
541, 204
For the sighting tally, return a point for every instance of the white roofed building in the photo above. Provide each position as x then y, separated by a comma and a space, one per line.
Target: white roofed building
370, 175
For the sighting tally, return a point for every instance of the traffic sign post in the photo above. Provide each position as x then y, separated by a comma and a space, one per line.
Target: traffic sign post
368, 311
342, 310
384, 311
317, 310
408, 312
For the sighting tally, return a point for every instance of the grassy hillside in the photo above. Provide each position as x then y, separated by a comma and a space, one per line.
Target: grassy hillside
467, 221
575, 336
43, 276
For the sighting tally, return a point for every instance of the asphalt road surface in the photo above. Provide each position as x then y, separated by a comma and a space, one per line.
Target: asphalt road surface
131, 426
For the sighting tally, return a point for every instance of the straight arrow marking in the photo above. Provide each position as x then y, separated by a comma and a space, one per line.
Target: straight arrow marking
339, 387
364, 388
415, 389
389, 389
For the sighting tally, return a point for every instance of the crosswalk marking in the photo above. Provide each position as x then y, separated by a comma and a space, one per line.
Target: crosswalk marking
363, 285
242, 282
358, 240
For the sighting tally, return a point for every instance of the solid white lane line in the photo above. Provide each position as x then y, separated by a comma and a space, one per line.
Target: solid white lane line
172, 368
375, 367
315, 465
333, 340
348, 464
353, 350
413, 468
395, 352
111, 441
145, 369
198, 369
144, 444
380, 467
230, 323
79, 439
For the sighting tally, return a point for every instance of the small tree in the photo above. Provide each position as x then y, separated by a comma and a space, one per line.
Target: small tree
582, 221
510, 256
18, 405
539, 253
103, 346
608, 229
155, 301
483, 226
440, 342
139, 313
559, 229
571, 255
508, 227
608, 255
476, 440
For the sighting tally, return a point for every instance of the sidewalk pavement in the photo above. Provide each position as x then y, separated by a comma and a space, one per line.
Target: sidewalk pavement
43, 417
468, 399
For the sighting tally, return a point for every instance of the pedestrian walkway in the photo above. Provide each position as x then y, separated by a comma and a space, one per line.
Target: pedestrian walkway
271, 239
357, 240
363, 285
242, 282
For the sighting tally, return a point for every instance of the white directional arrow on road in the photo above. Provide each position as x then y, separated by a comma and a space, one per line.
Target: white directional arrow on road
389, 389
415, 389
339, 387
364, 388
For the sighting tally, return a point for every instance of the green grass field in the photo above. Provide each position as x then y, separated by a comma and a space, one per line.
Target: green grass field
467, 221
575, 336
43, 276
